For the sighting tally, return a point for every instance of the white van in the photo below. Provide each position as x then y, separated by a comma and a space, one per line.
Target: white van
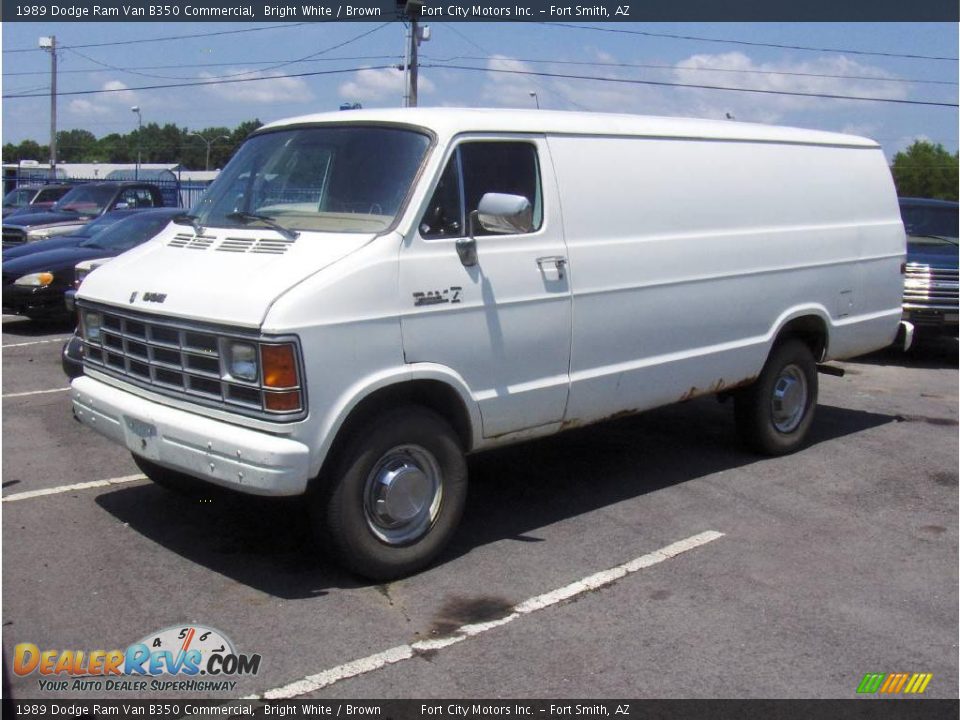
361, 299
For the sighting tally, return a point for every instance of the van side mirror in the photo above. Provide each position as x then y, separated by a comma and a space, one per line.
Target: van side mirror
497, 213
507, 214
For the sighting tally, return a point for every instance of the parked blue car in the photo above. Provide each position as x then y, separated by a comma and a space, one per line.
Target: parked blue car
34, 282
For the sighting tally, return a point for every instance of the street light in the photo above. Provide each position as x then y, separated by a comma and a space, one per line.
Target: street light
209, 143
535, 99
49, 44
136, 109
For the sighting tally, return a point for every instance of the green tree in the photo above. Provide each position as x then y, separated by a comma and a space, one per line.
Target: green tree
26, 150
76, 146
926, 170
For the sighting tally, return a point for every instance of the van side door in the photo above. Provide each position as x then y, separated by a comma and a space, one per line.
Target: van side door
503, 325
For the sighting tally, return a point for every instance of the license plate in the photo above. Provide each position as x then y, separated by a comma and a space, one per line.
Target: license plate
141, 437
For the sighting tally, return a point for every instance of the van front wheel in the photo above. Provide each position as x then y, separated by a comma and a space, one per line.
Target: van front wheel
396, 495
775, 413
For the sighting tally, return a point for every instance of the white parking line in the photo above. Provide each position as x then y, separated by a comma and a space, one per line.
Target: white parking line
37, 342
362, 666
35, 392
70, 488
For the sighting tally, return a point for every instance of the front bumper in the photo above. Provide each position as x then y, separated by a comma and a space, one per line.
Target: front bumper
238, 458
33, 301
931, 320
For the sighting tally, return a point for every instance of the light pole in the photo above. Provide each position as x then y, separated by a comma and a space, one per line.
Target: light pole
209, 143
50, 45
536, 99
136, 109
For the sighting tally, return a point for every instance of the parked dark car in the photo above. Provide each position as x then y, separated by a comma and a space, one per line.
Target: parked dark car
35, 197
34, 284
84, 232
930, 285
78, 207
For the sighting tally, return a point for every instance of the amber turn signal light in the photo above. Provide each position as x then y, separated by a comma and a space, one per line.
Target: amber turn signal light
279, 365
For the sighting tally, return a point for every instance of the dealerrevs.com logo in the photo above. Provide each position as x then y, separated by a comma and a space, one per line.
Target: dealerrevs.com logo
894, 683
189, 658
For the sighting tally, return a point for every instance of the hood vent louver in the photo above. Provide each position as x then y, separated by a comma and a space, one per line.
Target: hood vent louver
192, 242
261, 246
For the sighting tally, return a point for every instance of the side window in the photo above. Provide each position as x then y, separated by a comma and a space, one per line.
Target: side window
477, 168
135, 198
501, 167
444, 216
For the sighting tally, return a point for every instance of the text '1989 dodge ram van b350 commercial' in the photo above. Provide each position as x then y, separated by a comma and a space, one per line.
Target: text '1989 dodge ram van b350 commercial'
358, 302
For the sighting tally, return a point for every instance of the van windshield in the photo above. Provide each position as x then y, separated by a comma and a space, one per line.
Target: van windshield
335, 179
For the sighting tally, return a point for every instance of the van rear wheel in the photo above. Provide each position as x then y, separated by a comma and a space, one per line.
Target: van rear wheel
774, 414
395, 496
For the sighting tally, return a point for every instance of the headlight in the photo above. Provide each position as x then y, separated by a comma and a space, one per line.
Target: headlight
40, 279
44, 233
91, 325
242, 361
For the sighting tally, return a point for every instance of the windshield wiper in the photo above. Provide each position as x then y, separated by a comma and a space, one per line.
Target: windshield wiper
188, 219
248, 217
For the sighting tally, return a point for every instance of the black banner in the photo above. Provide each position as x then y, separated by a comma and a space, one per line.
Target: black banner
861, 709
598, 11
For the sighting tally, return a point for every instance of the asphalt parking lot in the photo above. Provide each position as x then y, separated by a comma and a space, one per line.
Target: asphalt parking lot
788, 577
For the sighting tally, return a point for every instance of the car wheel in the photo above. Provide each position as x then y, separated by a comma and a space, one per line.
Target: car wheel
774, 414
172, 480
395, 496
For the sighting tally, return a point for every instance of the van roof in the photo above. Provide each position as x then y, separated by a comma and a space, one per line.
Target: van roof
447, 122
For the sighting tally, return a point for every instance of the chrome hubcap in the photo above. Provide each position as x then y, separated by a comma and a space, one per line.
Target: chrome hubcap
402, 495
789, 400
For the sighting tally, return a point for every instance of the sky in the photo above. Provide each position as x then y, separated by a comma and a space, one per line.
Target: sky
850, 59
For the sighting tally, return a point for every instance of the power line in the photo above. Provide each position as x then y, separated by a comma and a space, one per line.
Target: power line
206, 82
169, 37
743, 42
217, 64
279, 64
699, 87
695, 69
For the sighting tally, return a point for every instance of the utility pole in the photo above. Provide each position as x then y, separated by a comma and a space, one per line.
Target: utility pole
415, 35
136, 109
50, 45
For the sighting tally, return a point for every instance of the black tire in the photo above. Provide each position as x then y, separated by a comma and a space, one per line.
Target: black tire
171, 480
412, 453
775, 413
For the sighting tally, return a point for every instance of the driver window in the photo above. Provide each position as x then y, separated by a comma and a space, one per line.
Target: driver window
477, 168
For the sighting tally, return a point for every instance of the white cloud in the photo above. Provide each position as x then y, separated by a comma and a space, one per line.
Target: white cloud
377, 84
735, 69
271, 89
108, 103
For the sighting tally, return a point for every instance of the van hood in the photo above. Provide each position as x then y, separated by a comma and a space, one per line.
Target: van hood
229, 276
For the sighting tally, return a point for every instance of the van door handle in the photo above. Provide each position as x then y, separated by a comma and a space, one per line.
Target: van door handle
552, 266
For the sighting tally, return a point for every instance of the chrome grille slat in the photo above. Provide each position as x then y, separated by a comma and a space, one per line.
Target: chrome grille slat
933, 288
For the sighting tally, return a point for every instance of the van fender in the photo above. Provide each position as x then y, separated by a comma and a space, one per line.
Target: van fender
798, 312
351, 398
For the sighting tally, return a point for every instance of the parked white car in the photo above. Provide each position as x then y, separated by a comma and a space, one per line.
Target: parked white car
358, 302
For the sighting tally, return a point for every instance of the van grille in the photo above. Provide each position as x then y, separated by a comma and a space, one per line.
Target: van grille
262, 246
177, 360
930, 288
